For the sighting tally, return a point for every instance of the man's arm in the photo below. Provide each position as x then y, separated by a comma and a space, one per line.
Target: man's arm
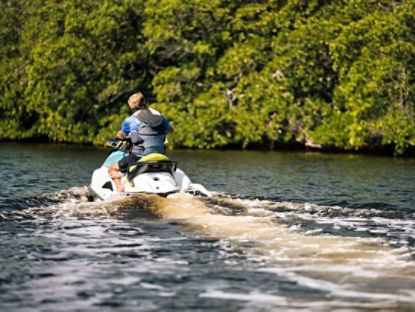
167, 125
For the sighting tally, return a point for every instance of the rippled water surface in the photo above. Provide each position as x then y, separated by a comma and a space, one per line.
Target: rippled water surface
283, 231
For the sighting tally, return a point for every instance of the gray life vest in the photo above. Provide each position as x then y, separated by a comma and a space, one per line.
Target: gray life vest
148, 139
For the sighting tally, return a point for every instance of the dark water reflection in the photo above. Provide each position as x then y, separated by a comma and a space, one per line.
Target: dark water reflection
351, 180
291, 234
329, 179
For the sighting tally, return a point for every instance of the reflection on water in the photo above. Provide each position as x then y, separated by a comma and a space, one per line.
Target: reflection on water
297, 231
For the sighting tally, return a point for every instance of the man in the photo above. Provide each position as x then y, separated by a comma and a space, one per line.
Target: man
148, 129
131, 123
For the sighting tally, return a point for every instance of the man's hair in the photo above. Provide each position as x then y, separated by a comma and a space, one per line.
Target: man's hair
137, 101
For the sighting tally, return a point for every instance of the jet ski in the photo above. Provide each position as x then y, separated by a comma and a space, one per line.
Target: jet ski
153, 174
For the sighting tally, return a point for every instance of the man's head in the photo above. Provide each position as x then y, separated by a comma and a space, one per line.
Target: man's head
137, 101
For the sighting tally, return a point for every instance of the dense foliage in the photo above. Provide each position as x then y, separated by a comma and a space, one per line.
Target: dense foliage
316, 73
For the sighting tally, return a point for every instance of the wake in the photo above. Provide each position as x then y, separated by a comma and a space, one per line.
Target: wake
317, 246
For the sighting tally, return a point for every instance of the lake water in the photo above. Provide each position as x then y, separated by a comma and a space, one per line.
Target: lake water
284, 231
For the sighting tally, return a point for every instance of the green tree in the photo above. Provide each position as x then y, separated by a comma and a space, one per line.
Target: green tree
374, 99
319, 73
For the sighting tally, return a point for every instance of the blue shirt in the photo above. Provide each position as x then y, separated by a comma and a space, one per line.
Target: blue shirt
131, 124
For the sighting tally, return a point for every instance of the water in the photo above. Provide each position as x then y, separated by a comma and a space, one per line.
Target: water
284, 231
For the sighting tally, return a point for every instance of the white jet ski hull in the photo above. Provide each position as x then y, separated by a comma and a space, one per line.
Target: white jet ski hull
160, 183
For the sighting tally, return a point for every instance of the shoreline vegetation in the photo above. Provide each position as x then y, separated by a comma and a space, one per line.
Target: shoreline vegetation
383, 151
331, 76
